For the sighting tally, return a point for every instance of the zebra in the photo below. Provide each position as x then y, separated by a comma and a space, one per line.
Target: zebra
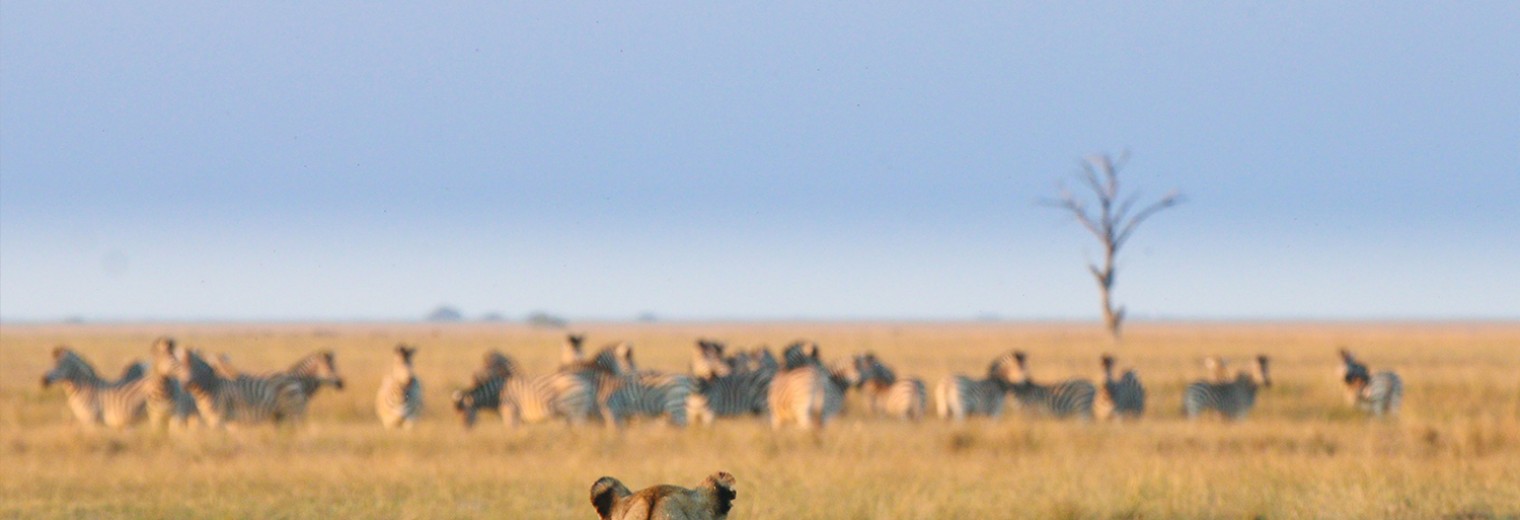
94, 400
730, 386
222, 401
707, 360
805, 392
312, 371
495, 364
399, 400
903, 398
1069, 398
1231, 399
623, 392
959, 396
1379, 394
1123, 398
521, 399
648, 393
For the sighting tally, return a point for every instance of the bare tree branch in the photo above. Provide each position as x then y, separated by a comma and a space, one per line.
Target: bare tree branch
1112, 225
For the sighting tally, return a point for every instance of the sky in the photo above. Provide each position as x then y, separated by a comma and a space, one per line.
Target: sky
778, 160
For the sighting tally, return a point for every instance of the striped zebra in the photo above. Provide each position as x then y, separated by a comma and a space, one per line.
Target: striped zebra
495, 364
708, 361
311, 372
1122, 398
572, 352
1379, 394
732, 385
520, 399
902, 398
1232, 400
95, 400
804, 391
222, 401
1069, 398
959, 396
623, 392
647, 394
399, 400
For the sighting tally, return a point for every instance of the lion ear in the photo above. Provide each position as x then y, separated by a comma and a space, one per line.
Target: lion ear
722, 484
605, 494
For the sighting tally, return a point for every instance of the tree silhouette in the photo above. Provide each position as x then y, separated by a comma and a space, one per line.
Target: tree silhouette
1113, 222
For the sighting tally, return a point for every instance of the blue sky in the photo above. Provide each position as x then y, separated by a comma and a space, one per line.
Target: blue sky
260, 161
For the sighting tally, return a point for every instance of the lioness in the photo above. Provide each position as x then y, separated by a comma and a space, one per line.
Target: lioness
710, 500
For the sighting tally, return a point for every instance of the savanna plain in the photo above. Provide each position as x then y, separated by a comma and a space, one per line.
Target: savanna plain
1303, 452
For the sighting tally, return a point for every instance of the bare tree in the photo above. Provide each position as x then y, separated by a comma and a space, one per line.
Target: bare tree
1113, 222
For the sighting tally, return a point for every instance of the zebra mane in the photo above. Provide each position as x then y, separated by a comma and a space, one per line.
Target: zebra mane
73, 364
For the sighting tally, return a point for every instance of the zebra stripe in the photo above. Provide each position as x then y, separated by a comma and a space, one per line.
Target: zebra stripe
1232, 400
960, 396
311, 372
93, 400
399, 401
648, 394
1123, 398
805, 392
528, 400
221, 400
1070, 398
888, 395
739, 393
1379, 394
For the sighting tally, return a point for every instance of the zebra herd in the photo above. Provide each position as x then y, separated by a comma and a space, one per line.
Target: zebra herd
179, 385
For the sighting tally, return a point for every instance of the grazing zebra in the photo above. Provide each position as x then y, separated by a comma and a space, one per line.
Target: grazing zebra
1069, 398
520, 399
94, 400
1123, 398
399, 401
902, 398
1379, 394
805, 392
223, 401
960, 396
1231, 399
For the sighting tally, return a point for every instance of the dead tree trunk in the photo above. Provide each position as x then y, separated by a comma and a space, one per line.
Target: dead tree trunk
1113, 222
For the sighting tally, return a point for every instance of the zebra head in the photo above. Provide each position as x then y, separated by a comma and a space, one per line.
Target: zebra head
1263, 375
68, 366
573, 351
464, 405
1021, 367
495, 364
1107, 360
1355, 375
623, 358
401, 366
1005, 370
135, 370
1216, 368
321, 366
800, 353
707, 360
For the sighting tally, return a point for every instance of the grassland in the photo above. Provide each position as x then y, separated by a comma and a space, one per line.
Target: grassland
1454, 452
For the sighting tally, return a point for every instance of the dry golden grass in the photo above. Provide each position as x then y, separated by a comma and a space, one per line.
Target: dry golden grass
1454, 452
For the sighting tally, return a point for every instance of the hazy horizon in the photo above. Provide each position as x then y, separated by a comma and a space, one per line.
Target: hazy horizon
359, 162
